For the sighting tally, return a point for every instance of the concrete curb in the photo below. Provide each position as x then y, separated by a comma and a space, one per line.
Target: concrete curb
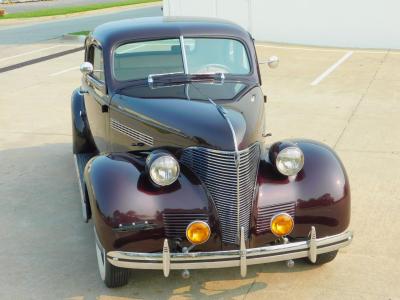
6, 2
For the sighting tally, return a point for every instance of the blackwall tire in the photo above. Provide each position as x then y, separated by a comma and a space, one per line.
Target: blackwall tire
112, 276
323, 258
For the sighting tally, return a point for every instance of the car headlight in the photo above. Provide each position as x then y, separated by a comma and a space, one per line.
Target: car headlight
288, 158
162, 167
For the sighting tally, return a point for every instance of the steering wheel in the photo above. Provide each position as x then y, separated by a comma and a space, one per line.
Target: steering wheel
214, 68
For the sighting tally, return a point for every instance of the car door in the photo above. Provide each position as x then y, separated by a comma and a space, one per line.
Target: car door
96, 99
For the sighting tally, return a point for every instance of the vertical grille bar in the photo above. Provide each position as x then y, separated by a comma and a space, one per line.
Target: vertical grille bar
232, 187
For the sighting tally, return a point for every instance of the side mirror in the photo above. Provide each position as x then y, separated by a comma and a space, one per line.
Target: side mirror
86, 68
273, 62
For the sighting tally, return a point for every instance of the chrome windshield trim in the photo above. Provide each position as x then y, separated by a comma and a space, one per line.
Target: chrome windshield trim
184, 57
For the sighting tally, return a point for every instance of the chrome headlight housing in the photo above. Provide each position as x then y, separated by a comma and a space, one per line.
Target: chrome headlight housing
162, 167
288, 158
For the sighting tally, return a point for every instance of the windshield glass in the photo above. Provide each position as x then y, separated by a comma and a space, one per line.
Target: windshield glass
138, 60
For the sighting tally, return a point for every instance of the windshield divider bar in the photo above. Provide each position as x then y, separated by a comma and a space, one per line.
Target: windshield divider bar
183, 49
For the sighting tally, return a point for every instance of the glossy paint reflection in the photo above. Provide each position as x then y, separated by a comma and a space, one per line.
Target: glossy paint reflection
320, 192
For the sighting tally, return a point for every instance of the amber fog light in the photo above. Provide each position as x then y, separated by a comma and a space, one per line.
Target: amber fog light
282, 224
198, 232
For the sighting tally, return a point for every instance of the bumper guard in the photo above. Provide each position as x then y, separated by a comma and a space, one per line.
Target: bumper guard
243, 257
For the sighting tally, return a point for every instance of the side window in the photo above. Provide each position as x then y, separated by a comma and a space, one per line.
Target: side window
95, 56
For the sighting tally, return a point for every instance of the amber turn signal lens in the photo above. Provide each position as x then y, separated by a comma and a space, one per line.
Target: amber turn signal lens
198, 232
282, 224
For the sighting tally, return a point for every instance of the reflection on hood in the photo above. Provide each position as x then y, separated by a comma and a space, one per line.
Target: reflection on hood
182, 115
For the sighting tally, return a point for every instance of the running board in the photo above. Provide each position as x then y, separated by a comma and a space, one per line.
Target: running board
81, 160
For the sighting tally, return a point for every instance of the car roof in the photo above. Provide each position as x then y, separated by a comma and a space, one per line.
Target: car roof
121, 31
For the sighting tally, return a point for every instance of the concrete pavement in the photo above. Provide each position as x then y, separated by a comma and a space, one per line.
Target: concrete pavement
47, 252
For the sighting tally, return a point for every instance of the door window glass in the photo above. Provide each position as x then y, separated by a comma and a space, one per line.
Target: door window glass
96, 58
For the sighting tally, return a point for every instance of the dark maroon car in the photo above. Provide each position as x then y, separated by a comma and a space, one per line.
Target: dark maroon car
173, 160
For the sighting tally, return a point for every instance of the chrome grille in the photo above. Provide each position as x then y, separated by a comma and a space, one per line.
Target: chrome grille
265, 213
230, 178
175, 223
132, 133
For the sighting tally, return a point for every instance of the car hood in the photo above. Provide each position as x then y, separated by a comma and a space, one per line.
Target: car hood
183, 115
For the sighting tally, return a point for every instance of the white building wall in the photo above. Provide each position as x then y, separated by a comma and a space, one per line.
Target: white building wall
340, 23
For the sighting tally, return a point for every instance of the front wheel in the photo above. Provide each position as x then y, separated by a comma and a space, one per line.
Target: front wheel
112, 276
323, 258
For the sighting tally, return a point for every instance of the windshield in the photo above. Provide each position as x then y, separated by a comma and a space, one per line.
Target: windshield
138, 60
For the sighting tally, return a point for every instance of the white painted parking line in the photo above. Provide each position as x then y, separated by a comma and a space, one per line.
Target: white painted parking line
31, 52
332, 68
64, 71
311, 48
301, 48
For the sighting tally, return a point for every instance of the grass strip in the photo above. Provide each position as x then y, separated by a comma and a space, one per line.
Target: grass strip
56, 11
85, 33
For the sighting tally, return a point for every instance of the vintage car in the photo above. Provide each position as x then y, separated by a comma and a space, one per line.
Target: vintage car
174, 162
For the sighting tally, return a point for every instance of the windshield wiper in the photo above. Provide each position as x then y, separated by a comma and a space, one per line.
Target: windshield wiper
164, 76
182, 78
208, 76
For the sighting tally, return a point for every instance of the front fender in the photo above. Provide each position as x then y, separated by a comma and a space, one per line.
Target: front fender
82, 140
131, 214
319, 195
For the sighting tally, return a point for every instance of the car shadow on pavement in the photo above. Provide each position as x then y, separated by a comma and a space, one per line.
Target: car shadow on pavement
48, 251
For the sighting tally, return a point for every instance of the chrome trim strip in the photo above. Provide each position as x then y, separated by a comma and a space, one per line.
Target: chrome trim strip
84, 212
231, 258
187, 92
183, 49
224, 114
243, 260
235, 143
132, 133
237, 162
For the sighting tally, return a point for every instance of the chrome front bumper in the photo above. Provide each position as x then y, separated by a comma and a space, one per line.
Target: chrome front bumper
167, 261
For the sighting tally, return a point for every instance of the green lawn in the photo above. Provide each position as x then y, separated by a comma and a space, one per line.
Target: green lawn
85, 32
70, 10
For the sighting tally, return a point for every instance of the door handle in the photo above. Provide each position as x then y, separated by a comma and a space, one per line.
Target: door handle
104, 108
